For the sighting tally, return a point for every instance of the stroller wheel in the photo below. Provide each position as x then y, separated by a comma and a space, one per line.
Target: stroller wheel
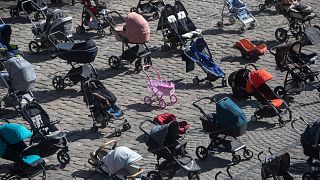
147, 100
173, 98
63, 157
219, 24
117, 133
104, 125
147, 60
126, 127
253, 25
34, 47
134, 9
193, 176
262, 7
224, 82
307, 176
173, 45
165, 47
80, 29
248, 154
254, 118
236, 159
282, 123
58, 83
52, 51
154, 175
196, 80
14, 12
303, 38
281, 34
242, 29
295, 28
101, 33
94, 129
114, 62
280, 91
162, 104
37, 17
138, 65
202, 152
155, 16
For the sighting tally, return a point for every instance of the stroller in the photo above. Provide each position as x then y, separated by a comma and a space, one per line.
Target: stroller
267, 4
237, 10
163, 141
253, 83
300, 27
132, 30
102, 105
310, 144
229, 120
119, 162
176, 26
199, 52
74, 53
7, 49
275, 166
28, 7
94, 16
159, 89
54, 21
290, 58
149, 6
249, 50
27, 163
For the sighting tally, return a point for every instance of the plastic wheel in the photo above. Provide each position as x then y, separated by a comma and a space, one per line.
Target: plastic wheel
80, 29
162, 104
165, 47
232, 20
147, 60
193, 176
126, 126
155, 16
282, 123
303, 38
147, 100
58, 83
34, 47
154, 175
195, 80
219, 25
138, 65
252, 25
230, 79
114, 62
117, 132
134, 9
280, 91
202, 152
236, 159
295, 28
242, 29
173, 98
248, 154
262, 7
53, 52
281, 34
94, 129
224, 82
63, 157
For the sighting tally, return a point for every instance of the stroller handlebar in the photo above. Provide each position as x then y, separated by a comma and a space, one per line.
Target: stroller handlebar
141, 126
252, 65
271, 50
199, 100
52, 35
296, 119
259, 156
146, 67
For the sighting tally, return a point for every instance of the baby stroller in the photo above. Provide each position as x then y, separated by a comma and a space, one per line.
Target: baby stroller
300, 27
254, 84
267, 4
237, 10
19, 78
176, 26
119, 162
7, 49
27, 163
199, 52
54, 21
229, 120
275, 166
102, 105
149, 6
28, 7
310, 143
74, 53
132, 30
159, 89
94, 16
163, 141
299, 74
249, 50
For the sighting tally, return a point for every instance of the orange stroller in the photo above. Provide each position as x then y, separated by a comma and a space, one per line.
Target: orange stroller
249, 50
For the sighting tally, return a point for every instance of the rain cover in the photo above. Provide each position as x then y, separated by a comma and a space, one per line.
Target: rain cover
120, 158
257, 78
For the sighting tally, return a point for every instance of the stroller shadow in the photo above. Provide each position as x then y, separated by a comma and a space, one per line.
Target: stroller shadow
219, 31
4, 169
37, 58
83, 134
6, 115
189, 86
16, 20
87, 174
308, 104
141, 107
253, 125
141, 138
212, 162
49, 96
239, 59
156, 53
267, 12
59, 5
110, 73
299, 168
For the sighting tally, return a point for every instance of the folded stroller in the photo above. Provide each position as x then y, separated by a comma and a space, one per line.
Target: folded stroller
118, 162
53, 22
299, 73
275, 166
132, 30
176, 26
249, 50
229, 120
199, 52
310, 144
102, 105
7, 49
255, 85
300, 27
267, 4
28, 7
27, 163
149, 6
237, 10
74, 53
163, 141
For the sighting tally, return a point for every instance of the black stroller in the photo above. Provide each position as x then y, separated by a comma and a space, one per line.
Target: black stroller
28, 7
176, 26
149, 6
267, 4
74, 53
299, 74
102, 105
310, 143
275, 166
27, 163
229, 120
163, 141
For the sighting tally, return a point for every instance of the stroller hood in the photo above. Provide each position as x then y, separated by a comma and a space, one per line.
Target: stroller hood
5, 34
285, 52
277, 166
11, 134
120, 158
163, 135
310, 140
257, 78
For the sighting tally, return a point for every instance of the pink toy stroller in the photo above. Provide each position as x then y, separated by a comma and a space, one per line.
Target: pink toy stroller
134, 29
159, 88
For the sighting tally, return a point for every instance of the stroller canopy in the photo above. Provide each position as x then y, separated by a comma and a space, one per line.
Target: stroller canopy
287, 53
5, 34
11, 134
163, 135
310, 140
120, 158
277, 166
257, 78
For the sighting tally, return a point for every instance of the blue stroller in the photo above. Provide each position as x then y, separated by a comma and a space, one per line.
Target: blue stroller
198, 52
237, 10
27, 164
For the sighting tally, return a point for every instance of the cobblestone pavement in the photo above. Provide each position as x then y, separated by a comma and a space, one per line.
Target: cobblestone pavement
130, 89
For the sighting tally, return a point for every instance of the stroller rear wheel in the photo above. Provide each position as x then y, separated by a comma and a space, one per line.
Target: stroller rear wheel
173, 98
162, 104
236, 159
134, 9
58, 83
202, 152
114, 62
154, 175
147, 100
63, 158
303, 38
14, 12
155, 16
34, 47
80, 29
117, 132
165, 47
193, 176
101, 33
248, 154
281, 34
126, 127
280, 91
262, 7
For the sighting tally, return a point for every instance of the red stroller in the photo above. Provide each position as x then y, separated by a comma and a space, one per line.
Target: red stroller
249, 50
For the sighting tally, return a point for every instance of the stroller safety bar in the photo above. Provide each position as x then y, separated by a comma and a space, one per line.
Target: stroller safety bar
296, 119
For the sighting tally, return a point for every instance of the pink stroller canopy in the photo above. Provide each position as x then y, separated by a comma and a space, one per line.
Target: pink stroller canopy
136, 30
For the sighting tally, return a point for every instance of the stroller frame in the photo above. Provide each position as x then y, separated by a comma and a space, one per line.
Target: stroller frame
15, 12
152, 5
216, 141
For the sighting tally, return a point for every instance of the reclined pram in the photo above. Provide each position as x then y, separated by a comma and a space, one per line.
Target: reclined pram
134, 29
27, 163
228, 121
149, 6
176, 26
163, 141
237, 10
28, 7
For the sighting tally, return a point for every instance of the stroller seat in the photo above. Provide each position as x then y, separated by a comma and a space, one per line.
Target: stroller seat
267, 92
248, 46
208, 63
235, 5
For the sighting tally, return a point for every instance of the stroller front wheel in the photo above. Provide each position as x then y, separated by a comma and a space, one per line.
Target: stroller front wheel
236, 159
165, 47
80, 29
147, 100
202, 152
303, 38
280, 91
63, 158
58, 83
248, 154
154, 175
281, 34
34, 47
262, 7
219, 24
134, 9
193, 176
114, 62
173, 98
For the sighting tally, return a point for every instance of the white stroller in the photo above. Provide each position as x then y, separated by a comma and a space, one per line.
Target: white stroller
237, 10
116, 161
